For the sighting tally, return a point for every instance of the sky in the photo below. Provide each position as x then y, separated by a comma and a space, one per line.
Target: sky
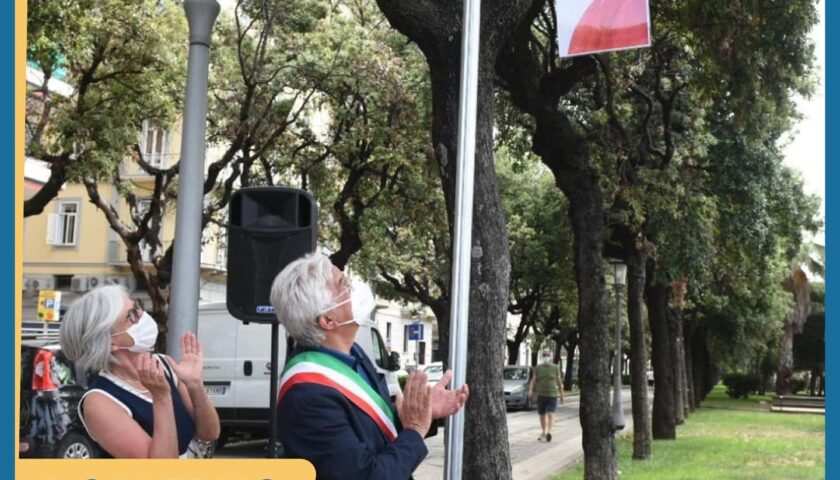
806, 152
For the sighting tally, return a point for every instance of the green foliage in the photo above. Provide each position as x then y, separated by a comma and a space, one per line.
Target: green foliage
809, 346
543, 290
125, 61
372, 165
757, 52
817, 297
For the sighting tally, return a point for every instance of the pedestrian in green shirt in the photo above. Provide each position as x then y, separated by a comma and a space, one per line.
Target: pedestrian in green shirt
548, 385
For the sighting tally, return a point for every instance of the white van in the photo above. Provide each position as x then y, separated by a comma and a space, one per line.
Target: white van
237, 367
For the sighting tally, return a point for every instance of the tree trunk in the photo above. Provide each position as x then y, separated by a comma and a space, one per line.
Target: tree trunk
441, 311
675, 330
569, 378
512, 351
525, 321
784, 376
557, 358
436, 28
700, 365
686, 403
797, 284
485, 436
765, 378
812, 382
58, 174
638, 355
564, 150
663, 419
689, 368
586, 212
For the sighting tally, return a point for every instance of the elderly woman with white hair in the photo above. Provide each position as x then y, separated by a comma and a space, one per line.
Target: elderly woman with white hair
140, 405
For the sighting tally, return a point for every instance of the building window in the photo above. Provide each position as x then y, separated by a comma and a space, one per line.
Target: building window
154, 144
62, 227
143, 206
221, 250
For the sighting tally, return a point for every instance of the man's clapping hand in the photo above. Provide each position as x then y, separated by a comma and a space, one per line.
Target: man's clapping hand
447, 402
414, 406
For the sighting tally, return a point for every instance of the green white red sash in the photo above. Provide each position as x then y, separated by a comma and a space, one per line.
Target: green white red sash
324, 369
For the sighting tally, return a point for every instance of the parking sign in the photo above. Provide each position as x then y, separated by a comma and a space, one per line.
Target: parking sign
49, 305
415, 331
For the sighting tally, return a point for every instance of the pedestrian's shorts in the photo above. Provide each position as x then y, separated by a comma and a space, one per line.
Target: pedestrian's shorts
546, 404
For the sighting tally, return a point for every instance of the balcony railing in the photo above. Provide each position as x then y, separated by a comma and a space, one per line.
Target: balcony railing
117, 257
117, 253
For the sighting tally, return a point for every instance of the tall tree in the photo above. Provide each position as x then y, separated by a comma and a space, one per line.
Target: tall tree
258, 91
540, 248
124, 62
539, 83
436, 27
809, 346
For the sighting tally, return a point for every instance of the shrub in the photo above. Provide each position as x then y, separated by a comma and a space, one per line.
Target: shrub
800, 383
741, 385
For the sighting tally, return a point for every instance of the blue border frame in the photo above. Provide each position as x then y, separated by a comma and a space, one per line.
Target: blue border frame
7, 217
832, 303
7, 242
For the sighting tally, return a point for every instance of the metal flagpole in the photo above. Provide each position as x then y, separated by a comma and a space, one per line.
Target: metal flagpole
183, 309
453, 459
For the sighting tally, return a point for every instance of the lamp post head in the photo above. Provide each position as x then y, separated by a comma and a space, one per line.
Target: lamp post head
619, 271
201, 15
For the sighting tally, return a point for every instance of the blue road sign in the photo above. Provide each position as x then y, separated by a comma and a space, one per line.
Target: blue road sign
415, 331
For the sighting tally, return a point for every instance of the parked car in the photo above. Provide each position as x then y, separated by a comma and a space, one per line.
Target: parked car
50, 391
516, 380
434, 372
650, 377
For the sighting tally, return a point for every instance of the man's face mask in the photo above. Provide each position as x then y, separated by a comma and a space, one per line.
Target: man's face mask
361, 303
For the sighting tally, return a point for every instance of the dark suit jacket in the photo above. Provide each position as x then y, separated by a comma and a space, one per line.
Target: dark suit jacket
319, 424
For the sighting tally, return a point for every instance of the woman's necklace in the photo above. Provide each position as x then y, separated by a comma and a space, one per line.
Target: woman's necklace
131, 383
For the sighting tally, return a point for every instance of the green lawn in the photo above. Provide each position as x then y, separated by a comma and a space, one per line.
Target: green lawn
731, 439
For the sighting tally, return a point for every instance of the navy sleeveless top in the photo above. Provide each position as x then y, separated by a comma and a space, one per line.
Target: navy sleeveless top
141, 407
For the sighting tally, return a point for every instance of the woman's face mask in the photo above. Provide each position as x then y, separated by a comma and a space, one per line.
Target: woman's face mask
144, 333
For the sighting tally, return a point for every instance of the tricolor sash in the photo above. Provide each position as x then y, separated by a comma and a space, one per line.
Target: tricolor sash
324, 369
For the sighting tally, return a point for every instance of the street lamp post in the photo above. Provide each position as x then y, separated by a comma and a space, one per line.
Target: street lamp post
619, 270
183, 310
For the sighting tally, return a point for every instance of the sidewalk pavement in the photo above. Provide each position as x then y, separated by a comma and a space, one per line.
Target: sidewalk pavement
566, 453
532, 460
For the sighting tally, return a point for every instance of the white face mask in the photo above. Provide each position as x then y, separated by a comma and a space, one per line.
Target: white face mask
546, 359
144, 333
361, 304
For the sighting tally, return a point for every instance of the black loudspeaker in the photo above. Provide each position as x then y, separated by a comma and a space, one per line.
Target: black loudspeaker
268, 228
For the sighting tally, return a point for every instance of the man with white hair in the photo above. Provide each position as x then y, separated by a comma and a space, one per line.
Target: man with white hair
333, 407
547, 384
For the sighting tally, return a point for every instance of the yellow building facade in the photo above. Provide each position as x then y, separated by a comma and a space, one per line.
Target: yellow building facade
70, 247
